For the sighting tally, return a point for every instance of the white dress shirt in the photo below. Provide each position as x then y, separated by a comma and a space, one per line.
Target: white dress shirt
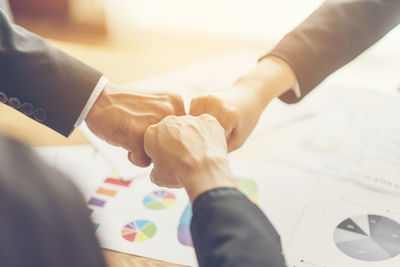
101, 84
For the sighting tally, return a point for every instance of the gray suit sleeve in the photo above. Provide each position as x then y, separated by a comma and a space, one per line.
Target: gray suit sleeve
332, 36
40, 80
44, 220
230, 231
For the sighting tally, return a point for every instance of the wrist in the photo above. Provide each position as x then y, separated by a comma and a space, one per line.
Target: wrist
271, 78
210, 175
102, 102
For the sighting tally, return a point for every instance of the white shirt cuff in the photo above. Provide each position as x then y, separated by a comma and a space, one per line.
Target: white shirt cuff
101, 84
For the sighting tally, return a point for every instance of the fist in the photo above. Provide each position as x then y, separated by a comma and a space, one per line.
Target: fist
237, 109
121, 115
184, 148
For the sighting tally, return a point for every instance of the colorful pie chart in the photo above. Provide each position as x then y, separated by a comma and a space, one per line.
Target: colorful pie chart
159, 200
139, 231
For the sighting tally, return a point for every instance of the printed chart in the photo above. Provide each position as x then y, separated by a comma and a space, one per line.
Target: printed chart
368, 237
159, 200
139, 231
346, 225
356, 139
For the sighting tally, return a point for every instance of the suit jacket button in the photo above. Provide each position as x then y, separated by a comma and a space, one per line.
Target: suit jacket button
3, 97
14, 102
27, 108
40, 115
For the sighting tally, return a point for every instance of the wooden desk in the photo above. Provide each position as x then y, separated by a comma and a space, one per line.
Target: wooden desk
145, 57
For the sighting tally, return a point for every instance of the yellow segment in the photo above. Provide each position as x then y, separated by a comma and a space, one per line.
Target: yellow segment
168, 202
140, 237
254, 198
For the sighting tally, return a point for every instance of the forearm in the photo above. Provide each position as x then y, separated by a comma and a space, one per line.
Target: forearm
333, 35
271, 78
45, 78
229, 230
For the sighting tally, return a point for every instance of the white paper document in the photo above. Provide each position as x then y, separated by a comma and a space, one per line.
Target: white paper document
345, 225
140, 218
355, 137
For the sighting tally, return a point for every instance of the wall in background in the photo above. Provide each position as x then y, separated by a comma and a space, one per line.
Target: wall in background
260, 20
249, 19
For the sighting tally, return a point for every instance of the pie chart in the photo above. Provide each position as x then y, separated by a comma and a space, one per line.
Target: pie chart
249, 188
184, 235
368, 237
159, 200
139, 231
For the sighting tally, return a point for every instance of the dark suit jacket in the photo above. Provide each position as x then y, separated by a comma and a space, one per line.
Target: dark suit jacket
40, 80
230, 231
332, 36
44, 220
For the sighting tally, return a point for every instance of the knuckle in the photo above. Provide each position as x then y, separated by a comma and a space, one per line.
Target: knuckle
213, 100
166, 109
208, 118
151, 129
168, 119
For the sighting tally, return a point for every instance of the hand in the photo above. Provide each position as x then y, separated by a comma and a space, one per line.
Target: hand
189, 151
237, 110
121, 115
239, 107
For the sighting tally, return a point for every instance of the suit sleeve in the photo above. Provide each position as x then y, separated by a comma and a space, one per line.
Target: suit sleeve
332, 36
228, 231
44, 220
40, 80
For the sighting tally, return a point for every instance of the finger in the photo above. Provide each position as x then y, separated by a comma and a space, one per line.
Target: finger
139, 158
197, 107
154, 176
215, 127
149, 139
179, 106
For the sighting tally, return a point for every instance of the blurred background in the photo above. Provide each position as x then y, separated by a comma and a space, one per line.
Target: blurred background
99, 21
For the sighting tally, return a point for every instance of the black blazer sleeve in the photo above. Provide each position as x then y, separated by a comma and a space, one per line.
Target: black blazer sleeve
332, 36
230, 231
40, 80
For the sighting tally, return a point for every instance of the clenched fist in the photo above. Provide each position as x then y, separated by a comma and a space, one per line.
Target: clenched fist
121, 115
189, 152
239, 107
